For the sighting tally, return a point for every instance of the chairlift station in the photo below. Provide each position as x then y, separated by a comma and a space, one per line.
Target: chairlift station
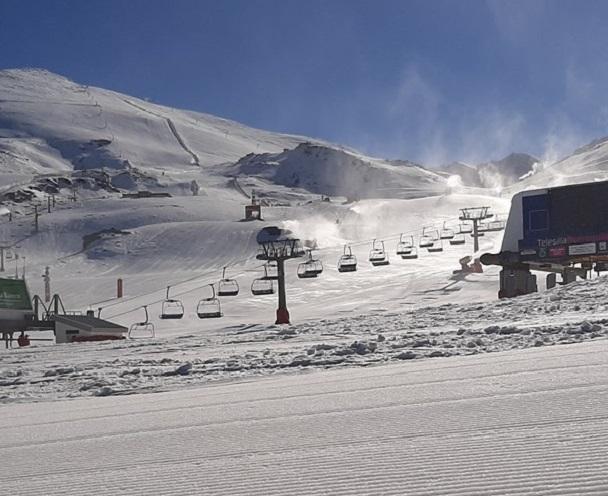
552, 230
19, 313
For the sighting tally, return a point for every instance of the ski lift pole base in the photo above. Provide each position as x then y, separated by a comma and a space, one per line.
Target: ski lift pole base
282, 316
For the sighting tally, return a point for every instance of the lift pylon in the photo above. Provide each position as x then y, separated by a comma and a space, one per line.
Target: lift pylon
278, 245
475, 215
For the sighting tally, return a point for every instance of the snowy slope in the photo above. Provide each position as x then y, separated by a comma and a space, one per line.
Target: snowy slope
587, 164
518, 423
50, 122
172, 240
205, 354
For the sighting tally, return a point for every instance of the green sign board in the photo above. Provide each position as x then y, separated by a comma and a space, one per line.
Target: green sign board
14, 295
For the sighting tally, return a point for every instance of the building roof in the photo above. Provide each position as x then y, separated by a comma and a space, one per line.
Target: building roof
88, 323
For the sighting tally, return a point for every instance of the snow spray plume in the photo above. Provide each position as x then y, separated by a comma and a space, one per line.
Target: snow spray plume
326, 233
454, 184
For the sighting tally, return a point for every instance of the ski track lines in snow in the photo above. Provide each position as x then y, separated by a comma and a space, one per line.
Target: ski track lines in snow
528, 422
173, 129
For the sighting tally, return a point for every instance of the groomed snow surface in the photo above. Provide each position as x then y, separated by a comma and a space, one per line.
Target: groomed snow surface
521, 422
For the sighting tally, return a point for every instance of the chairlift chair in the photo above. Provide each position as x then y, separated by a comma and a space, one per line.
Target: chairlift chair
497, 224
347, 261
171, 308
405, 246
465, 228
413, 253
436, 247
143, 329
446, 232
494, 226
227, 287
310, 268
263, 285
458, 239
271, 271
209, 308
304, 273
483, 227
426, 239
377, 255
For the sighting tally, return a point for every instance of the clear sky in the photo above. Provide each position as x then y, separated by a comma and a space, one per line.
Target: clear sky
427, 80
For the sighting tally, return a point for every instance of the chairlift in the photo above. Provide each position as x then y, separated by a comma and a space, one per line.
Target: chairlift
209, 308
171, 308
434, 233
446, 232
377, 255
405, 246
497, 224
143, 329
437, 246
271, 271
458, 239
426, 239
347, 262
413, 253
227, 287
465, 228
483, 227
494, 226
263, 285
310, 268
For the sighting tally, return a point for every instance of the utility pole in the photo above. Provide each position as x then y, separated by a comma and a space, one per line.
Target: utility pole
36, 215
48, 204
47, 284
2, 248
16, 265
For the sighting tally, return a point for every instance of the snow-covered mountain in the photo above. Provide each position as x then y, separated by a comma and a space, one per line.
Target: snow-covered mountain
506, 171
49, 123
587, 164
468, 174
331, 171
495, 173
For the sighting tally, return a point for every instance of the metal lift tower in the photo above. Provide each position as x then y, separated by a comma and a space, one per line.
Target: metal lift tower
475, 214
278, 245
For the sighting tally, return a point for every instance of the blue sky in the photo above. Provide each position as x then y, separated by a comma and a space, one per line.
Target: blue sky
431, 81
